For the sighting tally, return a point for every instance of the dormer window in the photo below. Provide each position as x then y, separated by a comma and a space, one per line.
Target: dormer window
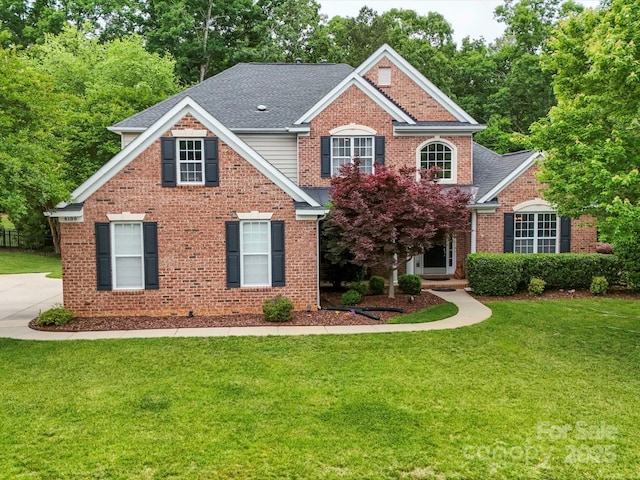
351, 149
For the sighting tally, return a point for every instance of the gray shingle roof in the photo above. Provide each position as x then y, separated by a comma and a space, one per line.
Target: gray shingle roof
232, 96
490, 168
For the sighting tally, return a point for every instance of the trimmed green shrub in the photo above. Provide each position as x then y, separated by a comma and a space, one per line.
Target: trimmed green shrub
410, 284
569, 270
361, 287
494, 273
277, 309
599, 286
57, 315
536, 286
351, 297
376, 285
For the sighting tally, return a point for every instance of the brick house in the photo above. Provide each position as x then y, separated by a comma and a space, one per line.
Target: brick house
214, 202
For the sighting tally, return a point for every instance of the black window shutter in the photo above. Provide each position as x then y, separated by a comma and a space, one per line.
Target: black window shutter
168, 149
325, 157
380, 150
509, 232
211, 168
103, 256
150, 236
565, 235
233, 254
277, 254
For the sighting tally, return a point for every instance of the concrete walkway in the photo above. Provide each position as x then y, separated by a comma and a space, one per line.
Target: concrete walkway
27, 295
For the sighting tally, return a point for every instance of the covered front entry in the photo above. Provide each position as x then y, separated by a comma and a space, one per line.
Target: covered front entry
438, 260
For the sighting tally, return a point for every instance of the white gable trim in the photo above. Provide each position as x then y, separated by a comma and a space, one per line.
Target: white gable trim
163, 124
438, 95
524, 166
372, 92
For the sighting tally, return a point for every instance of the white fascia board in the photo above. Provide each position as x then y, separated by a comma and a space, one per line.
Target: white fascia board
411, 130
126, 129
438, 95
150, 135
524, 166
367, 88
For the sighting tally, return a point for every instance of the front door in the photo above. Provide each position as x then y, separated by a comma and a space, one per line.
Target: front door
435, 260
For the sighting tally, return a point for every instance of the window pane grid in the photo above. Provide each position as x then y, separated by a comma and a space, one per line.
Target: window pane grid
345, 150
438, 155
190, 160
535, 233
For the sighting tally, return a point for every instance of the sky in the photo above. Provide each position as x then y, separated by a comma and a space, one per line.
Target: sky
473, 18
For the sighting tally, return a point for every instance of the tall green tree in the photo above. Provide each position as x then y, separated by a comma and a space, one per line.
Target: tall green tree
33, 175
56, 101
592, 136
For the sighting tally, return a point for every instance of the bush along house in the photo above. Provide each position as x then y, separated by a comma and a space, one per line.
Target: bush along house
214, 202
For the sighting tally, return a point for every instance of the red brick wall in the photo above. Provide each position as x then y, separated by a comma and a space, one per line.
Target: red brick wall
191, 240
354, 106
490, 226
409, 95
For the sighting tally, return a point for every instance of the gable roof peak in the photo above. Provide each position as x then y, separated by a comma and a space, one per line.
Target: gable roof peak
386, 51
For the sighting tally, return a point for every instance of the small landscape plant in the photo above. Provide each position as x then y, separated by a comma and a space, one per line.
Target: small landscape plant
57, 315
410, 284
361, 287
599, 286
351, 297
376, 285
277, 309
536, 286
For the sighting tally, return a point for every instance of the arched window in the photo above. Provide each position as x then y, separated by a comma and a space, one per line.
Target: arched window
442, 156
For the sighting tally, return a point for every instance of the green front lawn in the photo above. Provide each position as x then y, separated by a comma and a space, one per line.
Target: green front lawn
29, 262
543, 390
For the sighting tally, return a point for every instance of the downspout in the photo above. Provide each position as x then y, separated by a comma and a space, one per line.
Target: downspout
318, 259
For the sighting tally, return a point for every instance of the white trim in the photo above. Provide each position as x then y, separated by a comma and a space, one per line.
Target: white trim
64, 216
254, 216
189, 132
352, 130
451, 130
372, 92
126, 129
163, 124
524, 166
454, 159
409, 70
535, 237
310, 214
126, 217
537, 205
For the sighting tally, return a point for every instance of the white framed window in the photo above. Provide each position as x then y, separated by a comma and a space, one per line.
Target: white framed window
350, 149
127, 256
255, 253
190, 162
442, 156
536, 233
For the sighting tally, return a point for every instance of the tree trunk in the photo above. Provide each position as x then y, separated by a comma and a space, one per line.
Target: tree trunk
392, 293
205, 39
54, 226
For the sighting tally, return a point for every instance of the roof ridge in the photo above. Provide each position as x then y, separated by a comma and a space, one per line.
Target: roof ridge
519, 152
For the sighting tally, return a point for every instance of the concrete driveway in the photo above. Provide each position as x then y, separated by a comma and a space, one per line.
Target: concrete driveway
24, 296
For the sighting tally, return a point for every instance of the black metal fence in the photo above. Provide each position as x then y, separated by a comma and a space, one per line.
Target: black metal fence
10, 239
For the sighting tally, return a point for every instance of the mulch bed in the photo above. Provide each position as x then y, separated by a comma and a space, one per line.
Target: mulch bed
321, 317
620, 293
